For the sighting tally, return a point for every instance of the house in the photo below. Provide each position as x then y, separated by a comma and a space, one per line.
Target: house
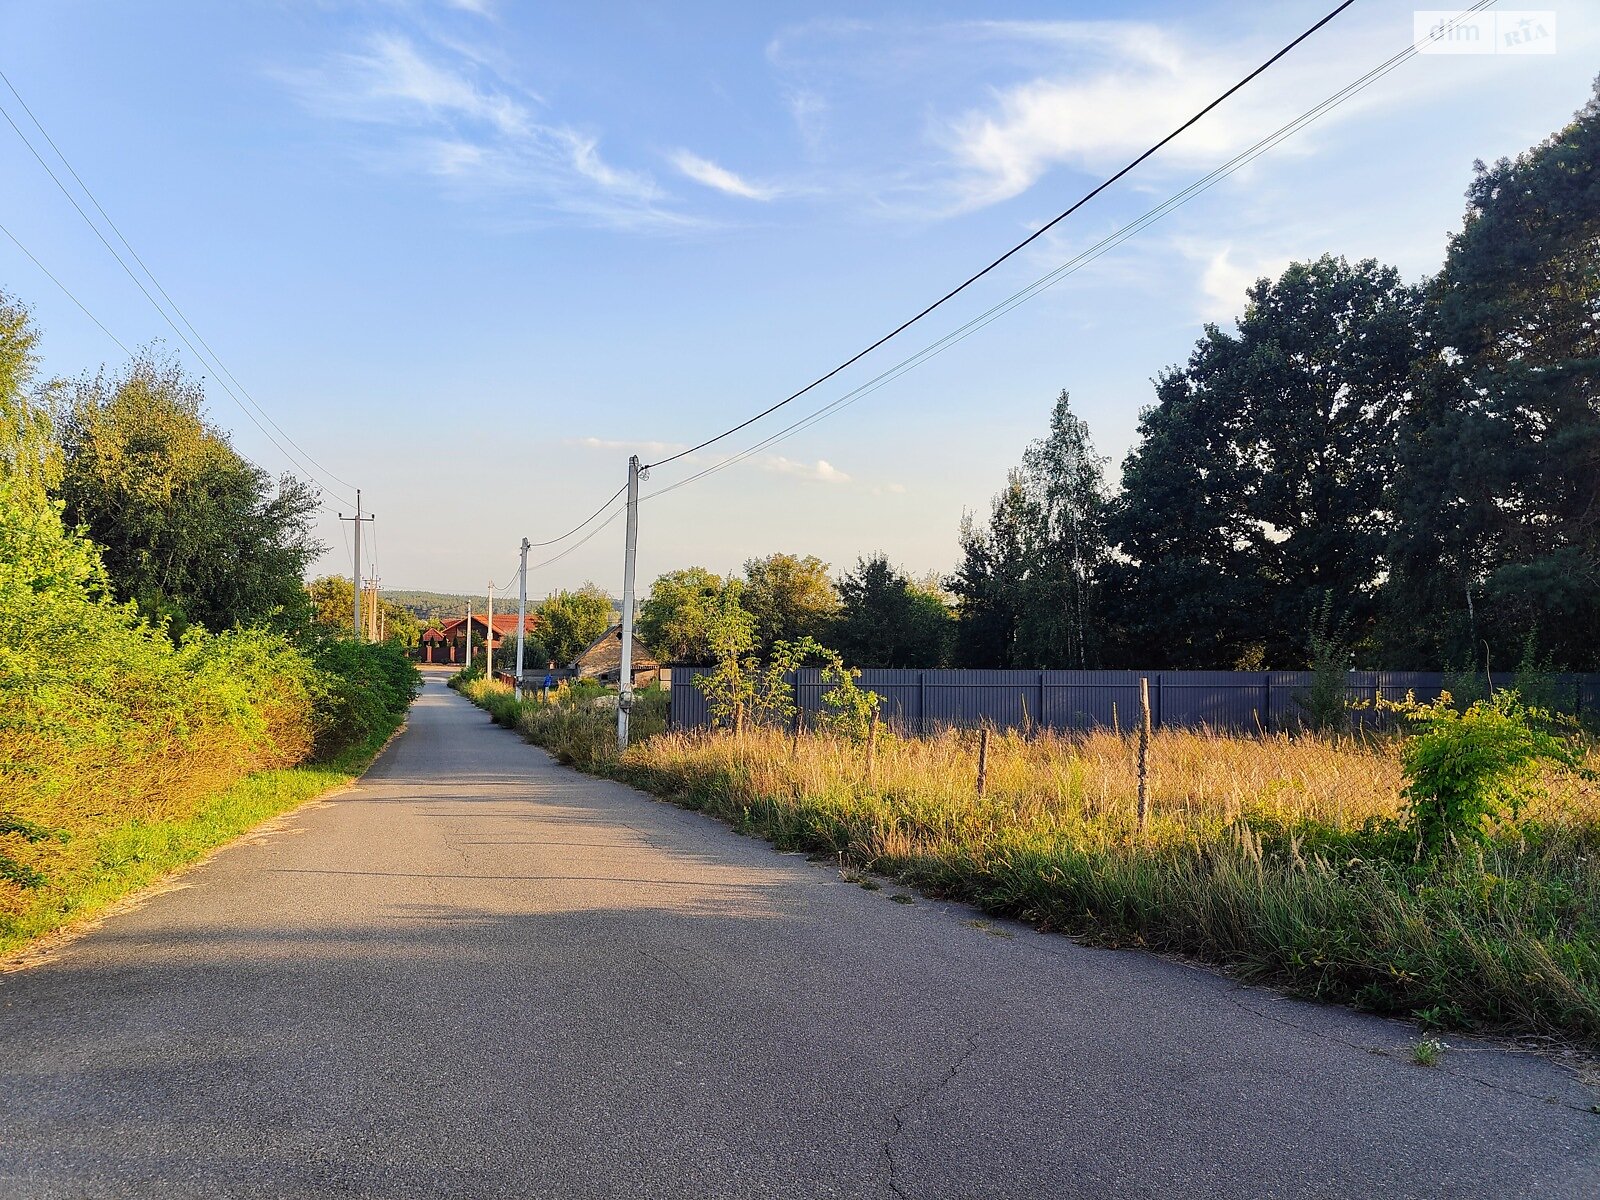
447, 644
602, 659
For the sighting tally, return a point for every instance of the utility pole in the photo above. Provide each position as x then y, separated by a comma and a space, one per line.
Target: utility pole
630, 547
522, 610
488, 637
468, 664
355, 574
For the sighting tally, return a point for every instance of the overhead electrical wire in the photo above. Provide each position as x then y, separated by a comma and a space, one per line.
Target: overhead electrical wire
1106, 244
305, 462
563, 537
1025, 242
65, 289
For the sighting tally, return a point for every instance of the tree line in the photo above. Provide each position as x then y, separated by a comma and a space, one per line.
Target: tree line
1398, 475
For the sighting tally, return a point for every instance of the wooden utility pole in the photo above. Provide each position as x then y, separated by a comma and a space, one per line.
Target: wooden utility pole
1144, 751
983, 761
872, 745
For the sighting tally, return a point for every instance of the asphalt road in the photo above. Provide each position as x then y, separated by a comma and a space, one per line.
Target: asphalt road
480, 974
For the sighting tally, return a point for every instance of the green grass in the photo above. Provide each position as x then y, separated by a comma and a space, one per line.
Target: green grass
135, 855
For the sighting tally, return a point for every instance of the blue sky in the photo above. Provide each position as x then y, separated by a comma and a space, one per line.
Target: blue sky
470, 254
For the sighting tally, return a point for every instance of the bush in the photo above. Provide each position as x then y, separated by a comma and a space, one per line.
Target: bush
1469, 771
104, 719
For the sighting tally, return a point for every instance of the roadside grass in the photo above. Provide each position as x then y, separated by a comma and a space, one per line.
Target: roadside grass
127, 857
1277, 857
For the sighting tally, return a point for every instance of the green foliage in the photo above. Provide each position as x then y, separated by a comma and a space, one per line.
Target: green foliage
790, 598
188, 529
673, 618
729, 688
887, 620
333, 608
1325, 704
1288, 426
1471, 771
106, 719
570, 621
847, 710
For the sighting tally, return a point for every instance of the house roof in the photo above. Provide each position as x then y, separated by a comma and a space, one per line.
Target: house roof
504, 623
604, 654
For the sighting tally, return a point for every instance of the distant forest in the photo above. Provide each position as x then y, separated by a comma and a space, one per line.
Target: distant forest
428, 606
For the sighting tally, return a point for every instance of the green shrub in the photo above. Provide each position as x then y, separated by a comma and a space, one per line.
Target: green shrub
1469, 771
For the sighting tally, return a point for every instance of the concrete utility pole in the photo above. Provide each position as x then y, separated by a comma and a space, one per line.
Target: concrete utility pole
630, 548
355, 574
522, 610
488, 637
468, 664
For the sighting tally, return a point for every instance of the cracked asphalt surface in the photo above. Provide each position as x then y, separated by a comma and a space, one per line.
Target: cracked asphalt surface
480, 974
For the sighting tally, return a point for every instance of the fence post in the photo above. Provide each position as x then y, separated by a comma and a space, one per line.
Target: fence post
1144, 747
983, 760
872, 745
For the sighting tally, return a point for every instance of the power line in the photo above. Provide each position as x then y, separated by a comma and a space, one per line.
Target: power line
314, 469
1105, 245
1027, 241
585, 521
48, 275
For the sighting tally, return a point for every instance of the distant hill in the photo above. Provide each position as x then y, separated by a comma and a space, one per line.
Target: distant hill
428, 605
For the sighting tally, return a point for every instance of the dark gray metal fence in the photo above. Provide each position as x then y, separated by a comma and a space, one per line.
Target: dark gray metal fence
922, 702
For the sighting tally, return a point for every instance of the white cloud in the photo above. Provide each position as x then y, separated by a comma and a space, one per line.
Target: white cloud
647, 449
820, 471
719, 178
392, 80
1130, 84
459, 121
1224, 281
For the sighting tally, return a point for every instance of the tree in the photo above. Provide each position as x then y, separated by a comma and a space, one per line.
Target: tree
989, 583
731, 686
791, 598
673, 619
1065, 480
189, 529
1283, 435
332, 608
28, 454
569, 621
1028, 585
1183, 587
886, 621
1499, 477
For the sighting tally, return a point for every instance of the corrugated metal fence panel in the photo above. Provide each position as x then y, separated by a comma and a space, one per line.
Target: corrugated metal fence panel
1252, 701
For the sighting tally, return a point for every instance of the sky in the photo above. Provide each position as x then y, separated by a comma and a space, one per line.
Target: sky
468, 255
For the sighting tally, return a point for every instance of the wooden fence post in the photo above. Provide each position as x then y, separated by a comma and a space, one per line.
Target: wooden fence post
872, 745
983, 761
1144, 751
